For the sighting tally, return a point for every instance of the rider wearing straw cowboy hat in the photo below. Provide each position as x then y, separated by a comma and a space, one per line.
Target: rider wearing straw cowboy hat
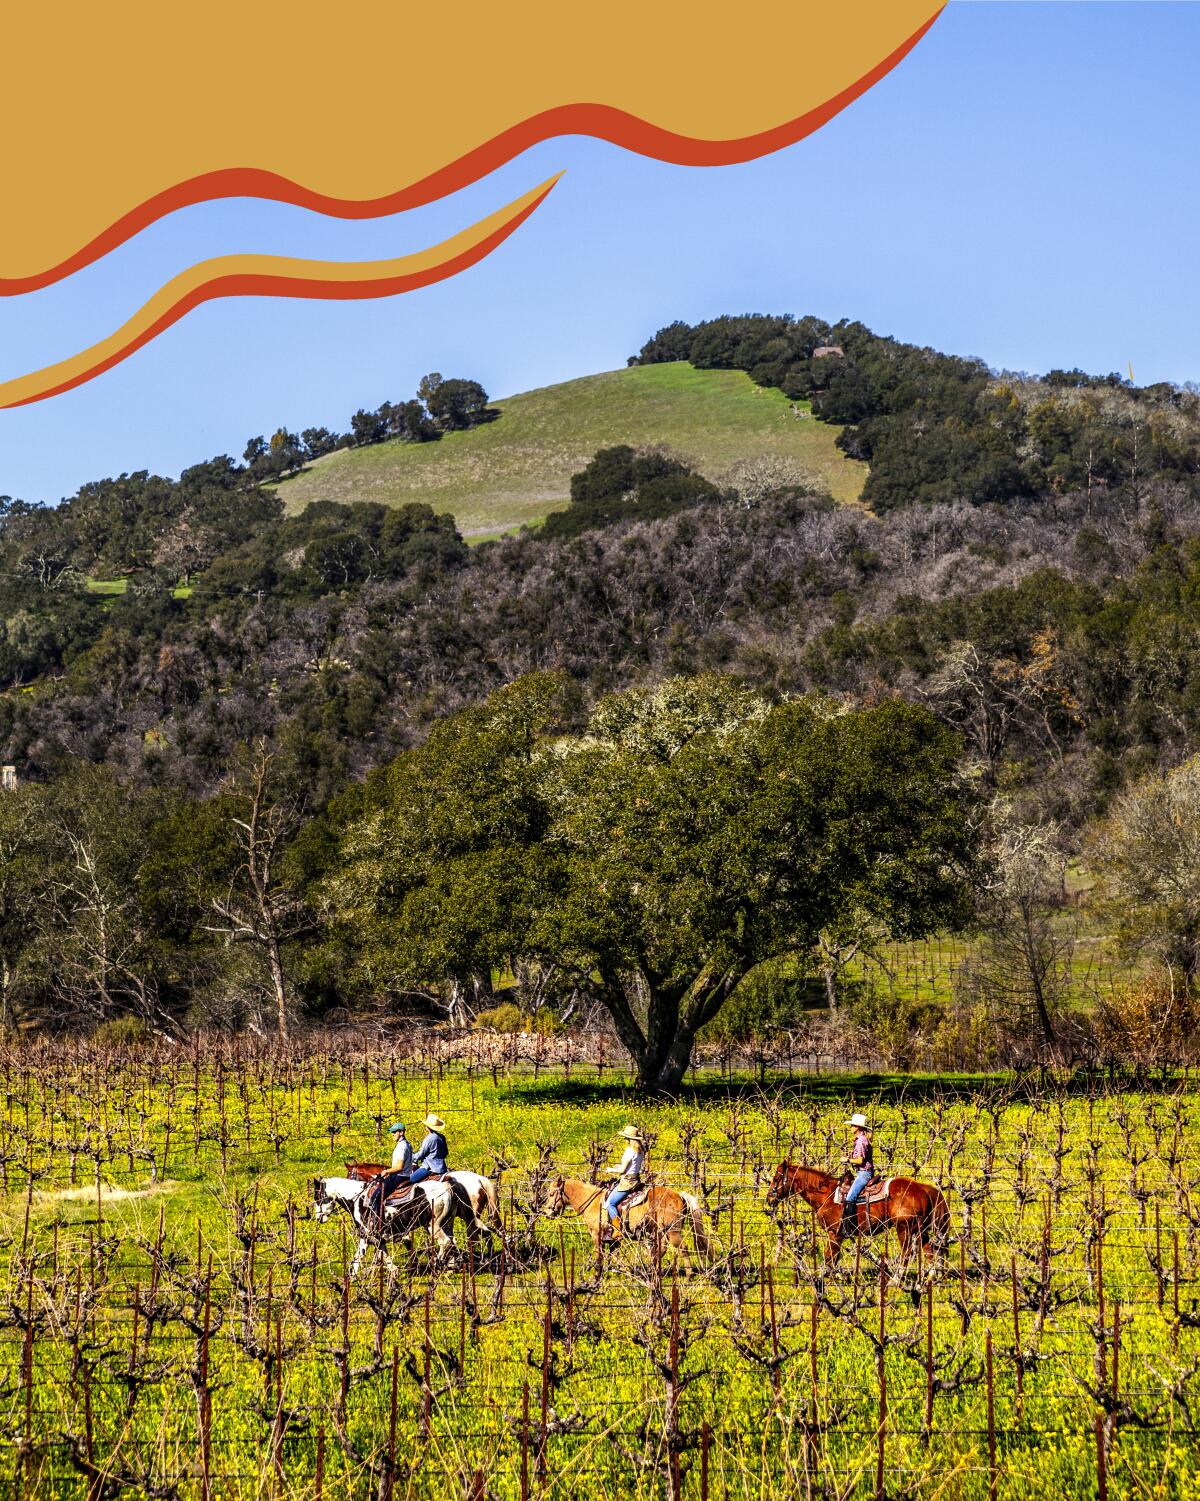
862, 1160
430, 1158
633, 1164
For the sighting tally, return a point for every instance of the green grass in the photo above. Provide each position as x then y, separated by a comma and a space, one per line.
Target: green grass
515, 470
112, 588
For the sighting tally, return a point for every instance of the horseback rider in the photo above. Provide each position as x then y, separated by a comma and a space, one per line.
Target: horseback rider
862, 1161
402, 1152
629, 1179
387, 1183
431, 1155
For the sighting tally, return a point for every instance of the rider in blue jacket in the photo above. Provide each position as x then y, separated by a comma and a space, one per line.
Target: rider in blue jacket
431, 1156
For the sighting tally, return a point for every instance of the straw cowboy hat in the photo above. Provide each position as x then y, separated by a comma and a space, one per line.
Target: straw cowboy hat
434, 1122
859, 1119
631, 1132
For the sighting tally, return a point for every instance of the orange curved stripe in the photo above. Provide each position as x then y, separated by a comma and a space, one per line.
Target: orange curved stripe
293, 279
601, 121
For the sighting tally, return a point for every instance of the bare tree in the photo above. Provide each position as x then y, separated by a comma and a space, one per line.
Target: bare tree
1147, 854
1023, 966
257, 907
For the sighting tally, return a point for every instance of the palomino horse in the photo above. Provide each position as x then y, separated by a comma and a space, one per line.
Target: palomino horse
662, 1212
482, 1195
433, 1206
917, 1210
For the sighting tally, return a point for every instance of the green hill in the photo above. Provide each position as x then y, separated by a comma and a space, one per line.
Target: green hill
517, 469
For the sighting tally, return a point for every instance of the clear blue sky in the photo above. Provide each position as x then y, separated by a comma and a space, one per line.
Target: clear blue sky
1023, 188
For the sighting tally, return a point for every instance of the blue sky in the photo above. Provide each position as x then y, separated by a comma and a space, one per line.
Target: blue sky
1022, 187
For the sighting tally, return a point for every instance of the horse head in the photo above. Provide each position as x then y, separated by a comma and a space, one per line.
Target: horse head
323, 1205
555, 1199
781, 1185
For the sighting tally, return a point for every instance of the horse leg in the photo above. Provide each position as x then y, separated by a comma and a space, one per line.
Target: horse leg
359, 1253
679, 1245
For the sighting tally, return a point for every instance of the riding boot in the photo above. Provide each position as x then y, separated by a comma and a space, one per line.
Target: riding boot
849, 1220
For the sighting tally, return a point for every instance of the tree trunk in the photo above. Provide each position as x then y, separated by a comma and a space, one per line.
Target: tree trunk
662, 1050
278, 986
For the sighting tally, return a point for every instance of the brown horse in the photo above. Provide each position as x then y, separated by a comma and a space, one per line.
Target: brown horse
662, 1212
918, 1211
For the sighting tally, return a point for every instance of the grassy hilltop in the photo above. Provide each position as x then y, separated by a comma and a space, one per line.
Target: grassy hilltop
517, 469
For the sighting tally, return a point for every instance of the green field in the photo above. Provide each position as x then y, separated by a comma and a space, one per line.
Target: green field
515, 470
174, 1323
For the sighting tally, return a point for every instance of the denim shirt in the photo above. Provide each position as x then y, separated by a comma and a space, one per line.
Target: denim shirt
402, 1156
432, 1153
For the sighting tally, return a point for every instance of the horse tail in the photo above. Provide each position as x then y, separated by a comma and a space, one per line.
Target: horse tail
937, 1222
491, 1193
699, 1234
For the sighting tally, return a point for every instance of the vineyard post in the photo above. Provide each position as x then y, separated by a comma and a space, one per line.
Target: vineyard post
427, 1385
389, 1474
882, 1436
277, 1424
673, 1392
1101, 1460
525, 1442
547, 1349
205, 1397
1158, 1259
991, 1420
319, 1479
705, 1439
1018, 1354
1175, 1287
928, 1420
93, 1478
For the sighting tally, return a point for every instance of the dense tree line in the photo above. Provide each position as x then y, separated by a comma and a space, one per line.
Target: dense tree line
339, 682
938, 427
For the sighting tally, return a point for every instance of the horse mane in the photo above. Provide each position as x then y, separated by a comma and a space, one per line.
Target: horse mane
343, 1188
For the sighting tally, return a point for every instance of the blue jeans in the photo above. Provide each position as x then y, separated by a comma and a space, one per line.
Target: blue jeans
616, 1198
861, 1179
418, 1175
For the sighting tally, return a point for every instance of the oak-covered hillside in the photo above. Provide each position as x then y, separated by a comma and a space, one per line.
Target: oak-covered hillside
292, 633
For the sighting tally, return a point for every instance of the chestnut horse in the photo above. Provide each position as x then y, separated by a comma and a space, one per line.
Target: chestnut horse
918, 1211
662, 1212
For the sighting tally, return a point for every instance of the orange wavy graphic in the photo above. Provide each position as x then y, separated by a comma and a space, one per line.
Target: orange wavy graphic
667, 83
274, 276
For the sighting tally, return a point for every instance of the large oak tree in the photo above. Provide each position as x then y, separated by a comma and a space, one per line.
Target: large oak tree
689, 834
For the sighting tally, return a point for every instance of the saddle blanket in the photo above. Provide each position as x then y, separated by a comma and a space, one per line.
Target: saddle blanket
878, 1188
639, 1196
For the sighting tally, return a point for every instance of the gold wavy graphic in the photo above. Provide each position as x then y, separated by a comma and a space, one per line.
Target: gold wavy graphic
113, 115
274, 276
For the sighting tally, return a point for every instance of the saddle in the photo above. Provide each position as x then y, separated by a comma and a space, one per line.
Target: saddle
877, 1189
638, 1196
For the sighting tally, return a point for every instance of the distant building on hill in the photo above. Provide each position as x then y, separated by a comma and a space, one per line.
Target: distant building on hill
827, 349
8, 778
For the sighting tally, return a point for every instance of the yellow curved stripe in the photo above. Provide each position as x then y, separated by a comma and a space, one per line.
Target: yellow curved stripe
278, 276
114, 114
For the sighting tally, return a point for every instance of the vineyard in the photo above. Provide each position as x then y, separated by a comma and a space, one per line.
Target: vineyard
174, 1323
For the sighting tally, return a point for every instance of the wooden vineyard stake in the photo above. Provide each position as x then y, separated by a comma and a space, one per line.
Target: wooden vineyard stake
882, 1433
525, 1442
1018, 1355
928, 1422
991, 1421
389, 1479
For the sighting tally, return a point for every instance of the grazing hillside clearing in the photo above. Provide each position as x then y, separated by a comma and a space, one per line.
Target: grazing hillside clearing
515, 470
